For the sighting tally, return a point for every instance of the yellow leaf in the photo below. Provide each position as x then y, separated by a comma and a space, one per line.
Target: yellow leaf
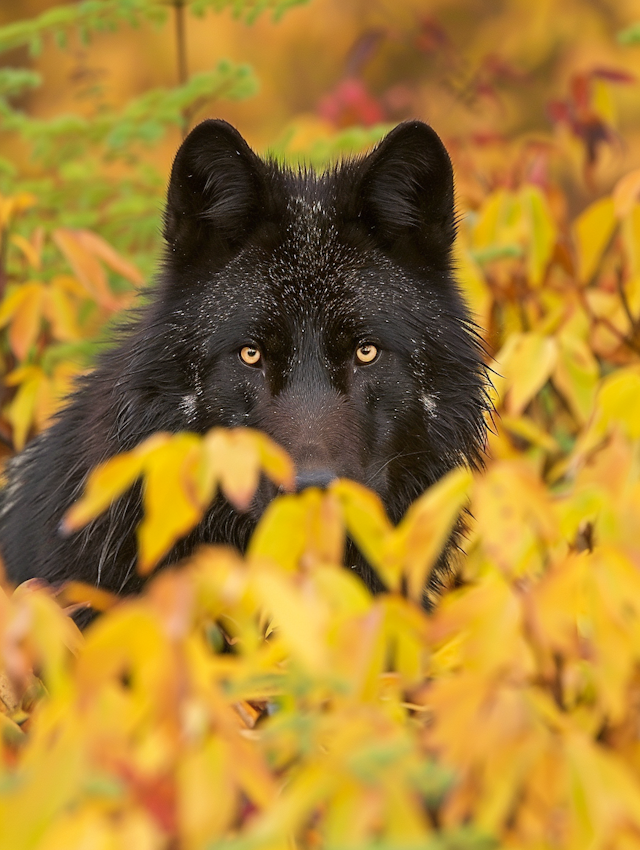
63, 378
92, 826
22, 825
619, 400
10, 303
69, 284
281, 533
275, 461
203, 772
301, 531
474, 285
22, 374
593, 229
426, 527
301, 621
604, 794
46, 404
576, 375
367, 523
406, 630
630, 228
232, 458
530, 431
79, 593
496, 212
526, 361
170, 509
240, 467
406, 820
20, 411
541, 232
130, 639
514, 515
105, 484
13, 205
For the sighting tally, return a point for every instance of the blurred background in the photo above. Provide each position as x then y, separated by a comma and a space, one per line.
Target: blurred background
515, 88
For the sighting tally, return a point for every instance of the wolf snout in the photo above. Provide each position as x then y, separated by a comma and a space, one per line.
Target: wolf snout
314, 478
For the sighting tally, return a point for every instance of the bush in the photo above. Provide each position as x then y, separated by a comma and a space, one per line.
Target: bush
270, 701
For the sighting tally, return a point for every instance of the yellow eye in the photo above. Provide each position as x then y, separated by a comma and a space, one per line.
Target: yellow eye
366, 353
250, 355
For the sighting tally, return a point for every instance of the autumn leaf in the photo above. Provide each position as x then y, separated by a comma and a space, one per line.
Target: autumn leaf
525, 363
426, 527
85, 266
105, 484
593, 230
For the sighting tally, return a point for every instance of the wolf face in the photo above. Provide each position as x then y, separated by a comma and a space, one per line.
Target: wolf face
319, 308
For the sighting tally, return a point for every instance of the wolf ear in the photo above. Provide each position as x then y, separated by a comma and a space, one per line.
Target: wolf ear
216, 189
406, 195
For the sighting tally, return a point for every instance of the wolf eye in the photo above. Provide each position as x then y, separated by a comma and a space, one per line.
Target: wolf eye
366, 353
250, 355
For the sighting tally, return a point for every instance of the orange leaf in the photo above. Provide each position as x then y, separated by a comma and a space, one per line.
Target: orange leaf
26, 319
97, 246
29, 250
85, 266
62, 314
625, 193
79, 593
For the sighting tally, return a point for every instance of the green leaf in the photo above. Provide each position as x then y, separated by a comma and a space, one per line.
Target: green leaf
630, 35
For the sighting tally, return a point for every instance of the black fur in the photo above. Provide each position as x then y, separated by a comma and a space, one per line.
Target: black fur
305, 267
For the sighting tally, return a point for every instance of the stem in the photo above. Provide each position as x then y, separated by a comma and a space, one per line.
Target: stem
181, 50
4, 236
625, 303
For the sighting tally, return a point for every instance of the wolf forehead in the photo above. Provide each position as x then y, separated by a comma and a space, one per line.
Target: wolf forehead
310, 288
357, 248
313, 269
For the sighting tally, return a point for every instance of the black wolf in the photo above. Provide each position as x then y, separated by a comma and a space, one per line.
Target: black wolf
319, 308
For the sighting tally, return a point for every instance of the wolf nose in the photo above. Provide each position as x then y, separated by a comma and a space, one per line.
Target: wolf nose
314, 478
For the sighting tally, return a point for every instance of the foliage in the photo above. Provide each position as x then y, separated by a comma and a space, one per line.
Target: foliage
270, 701
75, 153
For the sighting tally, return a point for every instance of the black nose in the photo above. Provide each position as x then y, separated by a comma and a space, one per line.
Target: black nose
314, 478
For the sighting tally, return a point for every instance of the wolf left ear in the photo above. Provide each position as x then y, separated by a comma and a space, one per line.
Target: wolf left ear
405, 195
217, 190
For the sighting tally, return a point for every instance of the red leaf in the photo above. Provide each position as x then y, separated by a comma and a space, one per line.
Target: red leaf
351, 103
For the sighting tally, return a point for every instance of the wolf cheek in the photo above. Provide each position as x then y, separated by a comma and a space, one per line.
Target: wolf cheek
319, 308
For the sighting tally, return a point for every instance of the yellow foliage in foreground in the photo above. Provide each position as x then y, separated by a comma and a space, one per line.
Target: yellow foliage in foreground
508, 718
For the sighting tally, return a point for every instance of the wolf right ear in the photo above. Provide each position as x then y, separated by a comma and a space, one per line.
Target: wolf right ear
405, 195
216, 189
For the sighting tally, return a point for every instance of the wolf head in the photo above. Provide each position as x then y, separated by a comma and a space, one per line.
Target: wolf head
319, 308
